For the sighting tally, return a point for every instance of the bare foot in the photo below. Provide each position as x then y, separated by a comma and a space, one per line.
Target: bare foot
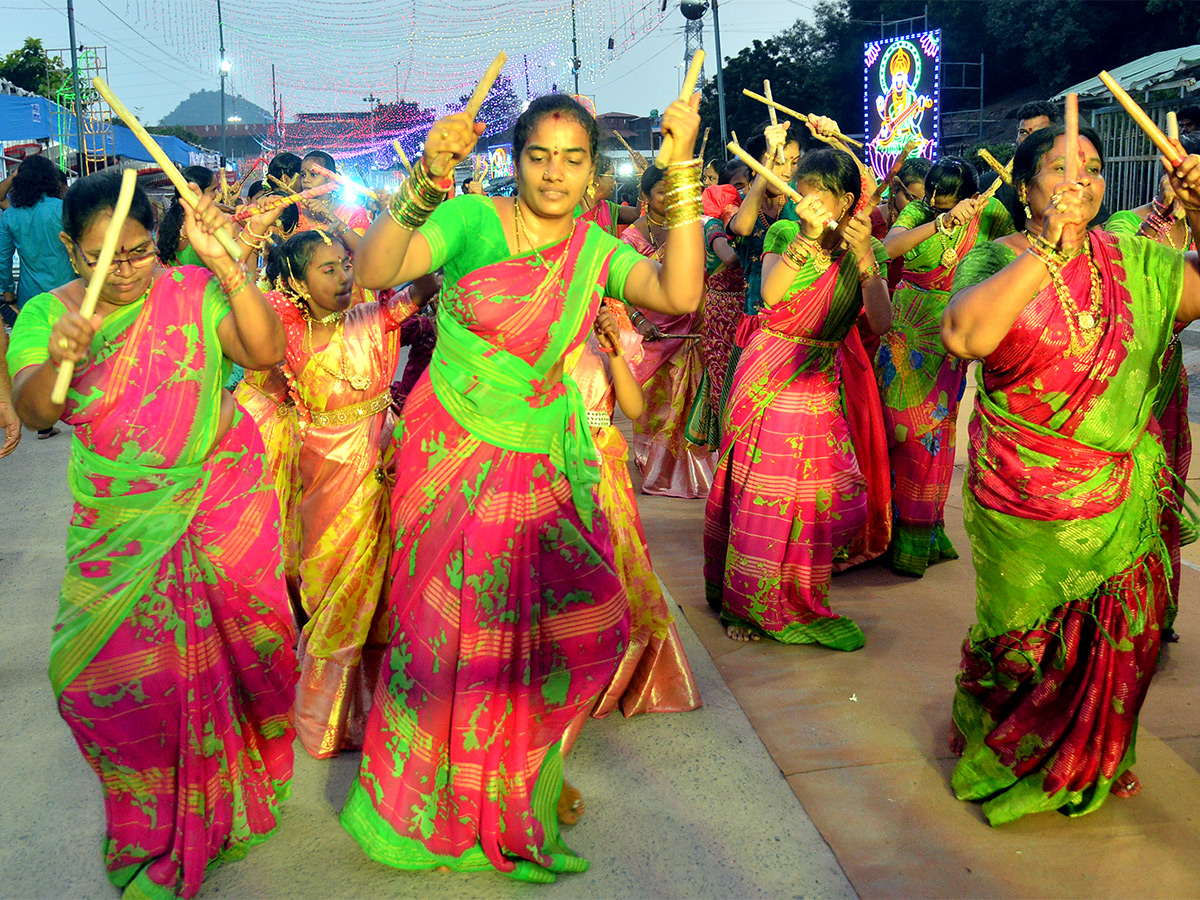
958, 743
1128, 785
740, 633
570, 804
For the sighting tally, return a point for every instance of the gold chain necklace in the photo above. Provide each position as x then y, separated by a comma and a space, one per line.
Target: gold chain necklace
521, 231
949, 251
1083, 326
358, 382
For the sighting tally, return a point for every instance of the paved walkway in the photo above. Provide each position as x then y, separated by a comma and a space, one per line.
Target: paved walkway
861, 737
683, 805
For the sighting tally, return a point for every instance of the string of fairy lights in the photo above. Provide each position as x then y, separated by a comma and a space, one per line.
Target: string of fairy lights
331, 54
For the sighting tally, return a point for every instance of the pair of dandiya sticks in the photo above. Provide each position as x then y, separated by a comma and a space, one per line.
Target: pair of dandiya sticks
1071, 126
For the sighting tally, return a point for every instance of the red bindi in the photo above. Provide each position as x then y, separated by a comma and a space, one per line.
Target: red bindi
557, 116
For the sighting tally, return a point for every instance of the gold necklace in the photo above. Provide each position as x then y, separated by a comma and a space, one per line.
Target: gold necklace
358, 382
1083, 326
949, 251
520, 230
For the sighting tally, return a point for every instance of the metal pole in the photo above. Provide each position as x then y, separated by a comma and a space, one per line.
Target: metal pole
575, 61
221, 36
981, 96
80, 157
720, 79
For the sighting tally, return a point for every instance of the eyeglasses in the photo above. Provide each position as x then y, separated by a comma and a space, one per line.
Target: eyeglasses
134, 260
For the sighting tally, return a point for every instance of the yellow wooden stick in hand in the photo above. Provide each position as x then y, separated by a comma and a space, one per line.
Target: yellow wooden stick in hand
164, 162
87, 309
667, 148
441, 164
403, 157
779, 152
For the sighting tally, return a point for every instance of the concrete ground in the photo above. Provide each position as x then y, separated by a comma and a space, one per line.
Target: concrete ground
690, 805
681, 805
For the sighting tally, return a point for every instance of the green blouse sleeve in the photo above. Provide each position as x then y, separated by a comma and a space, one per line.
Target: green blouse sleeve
620, 264
216, 304
1124, 223
995, 222
913, 216
780, 235
447, 228
985, 260
29, 344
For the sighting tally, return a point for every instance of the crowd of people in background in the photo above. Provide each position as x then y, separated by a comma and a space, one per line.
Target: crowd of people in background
286, 526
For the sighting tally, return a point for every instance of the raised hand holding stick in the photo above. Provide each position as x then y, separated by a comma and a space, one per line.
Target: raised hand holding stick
791, 112
443, 162
1173, 154
156, 151
87, 309
667, 149
779, 152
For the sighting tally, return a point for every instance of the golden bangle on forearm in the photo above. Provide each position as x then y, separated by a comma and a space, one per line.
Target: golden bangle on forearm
417, 198
683, 205
871, 271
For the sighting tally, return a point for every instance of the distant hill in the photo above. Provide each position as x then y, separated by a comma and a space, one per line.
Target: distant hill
204, 108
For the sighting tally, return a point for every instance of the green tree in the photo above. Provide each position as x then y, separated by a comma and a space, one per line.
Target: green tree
31, 69
177, 131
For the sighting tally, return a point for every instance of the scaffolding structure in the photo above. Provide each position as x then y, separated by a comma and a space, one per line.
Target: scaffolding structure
94, 113
693, 40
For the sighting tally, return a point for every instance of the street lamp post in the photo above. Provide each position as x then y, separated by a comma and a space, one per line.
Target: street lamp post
695, 9
225, 67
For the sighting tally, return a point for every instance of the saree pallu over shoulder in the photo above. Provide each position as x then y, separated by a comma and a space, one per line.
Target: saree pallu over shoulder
503, 400
105, 579
1068, 472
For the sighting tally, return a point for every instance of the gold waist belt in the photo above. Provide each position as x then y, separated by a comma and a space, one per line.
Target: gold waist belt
800, 339
348, 415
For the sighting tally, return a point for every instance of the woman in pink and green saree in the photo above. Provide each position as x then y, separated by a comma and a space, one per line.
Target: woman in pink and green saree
507, 616
172, 651
1065, 489
920, 383
790, 500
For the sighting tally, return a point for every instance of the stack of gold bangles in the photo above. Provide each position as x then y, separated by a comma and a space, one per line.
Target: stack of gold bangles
683, 206
417, 198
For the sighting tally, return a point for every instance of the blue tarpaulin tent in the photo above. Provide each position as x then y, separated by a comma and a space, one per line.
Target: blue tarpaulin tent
35, 118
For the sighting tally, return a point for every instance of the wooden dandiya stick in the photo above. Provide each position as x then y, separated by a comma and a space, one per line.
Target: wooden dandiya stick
787, 111
779, 154
87, 309
1143, 121
272, 203
639, 162
877, 194
1005, 172
1071, 145
345, 182
159, 155
241, 182
1173, 125
1005, 178
403, 157
440, 164
771, 178
703, 145
280, 185
667, 148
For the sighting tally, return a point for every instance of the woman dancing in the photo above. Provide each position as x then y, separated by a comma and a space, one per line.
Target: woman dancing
671, 372
654, 675
919, 382
507, 616
1065, 487
172, 652
338, 370
1164, 220
789, 499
